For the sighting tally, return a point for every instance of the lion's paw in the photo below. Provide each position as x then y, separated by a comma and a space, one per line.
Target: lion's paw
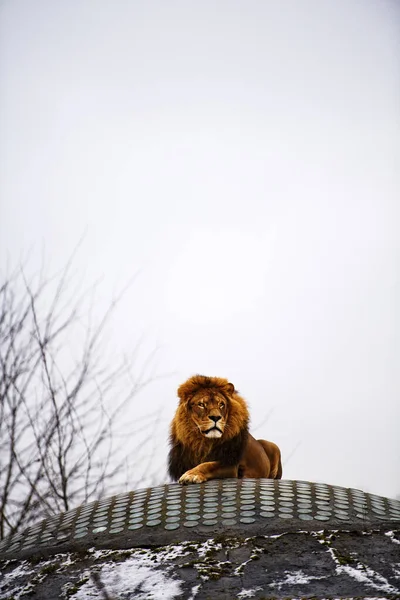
192, 476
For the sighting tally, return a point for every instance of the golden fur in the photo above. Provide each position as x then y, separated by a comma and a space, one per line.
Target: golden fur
209, 435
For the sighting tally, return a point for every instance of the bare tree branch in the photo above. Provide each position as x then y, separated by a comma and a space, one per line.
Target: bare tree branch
63, 407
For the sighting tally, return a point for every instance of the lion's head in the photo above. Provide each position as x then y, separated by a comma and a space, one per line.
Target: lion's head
209, 408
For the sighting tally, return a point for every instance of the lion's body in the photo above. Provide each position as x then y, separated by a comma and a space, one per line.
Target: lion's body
210, 437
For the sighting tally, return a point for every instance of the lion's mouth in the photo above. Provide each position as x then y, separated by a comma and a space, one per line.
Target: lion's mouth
213, 432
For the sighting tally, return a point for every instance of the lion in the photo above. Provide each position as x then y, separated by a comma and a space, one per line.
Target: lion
209, 436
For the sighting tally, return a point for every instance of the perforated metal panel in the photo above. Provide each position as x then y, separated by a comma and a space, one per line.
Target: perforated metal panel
173, 512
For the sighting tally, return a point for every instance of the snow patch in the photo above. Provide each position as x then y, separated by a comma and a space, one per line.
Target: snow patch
195, 591
294, 578
249, 593
7, 587
360, 572
390, 535
136, 578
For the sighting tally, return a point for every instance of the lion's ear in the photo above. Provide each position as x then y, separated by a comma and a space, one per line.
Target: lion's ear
184, 392
231, 388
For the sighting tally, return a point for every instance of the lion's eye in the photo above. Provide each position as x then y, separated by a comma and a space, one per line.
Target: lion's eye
201, 405
222, 405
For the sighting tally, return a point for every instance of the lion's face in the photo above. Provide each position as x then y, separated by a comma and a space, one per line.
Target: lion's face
209, 411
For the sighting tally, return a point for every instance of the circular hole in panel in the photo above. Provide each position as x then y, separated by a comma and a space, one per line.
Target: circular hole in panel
285, 503
80, 534
229, 522
247, 507
61, 537
228, 515
14, 547
305, 517
195, 494
136, 506
342, 516
228, 503
190, 523
247, 520
174, 503
119, 516
267, 507
153, 522
324, 513
229, 509
135, 526
120, 507
153, 509
116, 530
173, 513
191, 517
100, 522
173, 498
304, 504
154, 516
379, 505
361, 516
170, 526
209, 509
68, 519
341, 505
136, 513
359, 493
136, 520
118, 519
191, 510
320, 517
172, 519
100, 513
247, 513
209, 516
29, 539
267, 514
340, 493
153, 505
302, 510
285, 509
283, 515
379, 511
210, 522
247, 501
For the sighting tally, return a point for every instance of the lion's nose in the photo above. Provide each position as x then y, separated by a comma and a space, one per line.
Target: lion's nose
215, 419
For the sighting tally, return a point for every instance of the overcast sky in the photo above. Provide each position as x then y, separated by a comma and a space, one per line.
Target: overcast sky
243, 157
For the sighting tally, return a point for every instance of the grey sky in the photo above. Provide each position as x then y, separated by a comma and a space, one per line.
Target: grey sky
244, 156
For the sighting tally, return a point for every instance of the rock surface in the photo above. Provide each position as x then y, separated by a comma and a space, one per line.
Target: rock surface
223, 539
